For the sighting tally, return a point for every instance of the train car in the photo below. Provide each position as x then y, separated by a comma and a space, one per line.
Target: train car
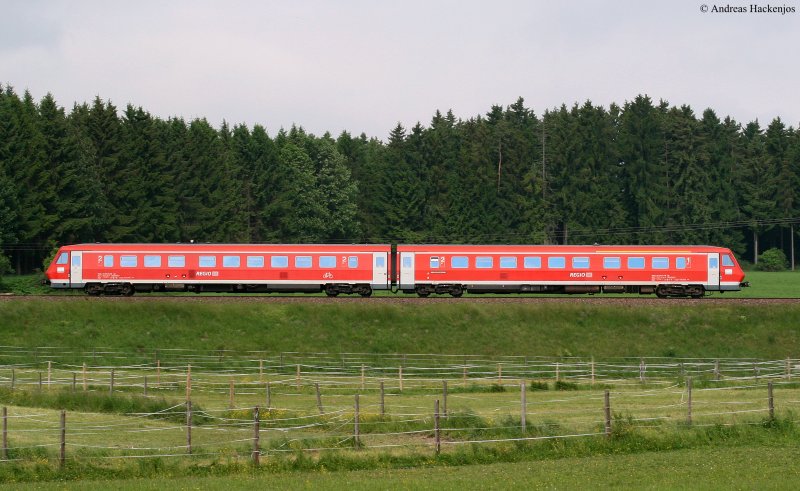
667, 271
124, 269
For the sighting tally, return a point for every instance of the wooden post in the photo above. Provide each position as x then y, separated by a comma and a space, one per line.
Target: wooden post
189, 427
770, 401
465, 375
49, 374
756, 372
84, 377
524, 405
383, 406
319, 399
256, 435
5, 433
558, 372
269, 397
189, 382
158, 373
230, 394
356, 440
788, 368
436, 432
260, 370
74, 376
499, 373
111, 382
593, 373
689, 401
641, 370
400, 376
297, 379
716, 370
362, 377
63, 454
607, 408
444, 398
40, 381
13, 378
145, 385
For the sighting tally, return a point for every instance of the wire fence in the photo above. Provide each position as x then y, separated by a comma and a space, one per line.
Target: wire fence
255, 405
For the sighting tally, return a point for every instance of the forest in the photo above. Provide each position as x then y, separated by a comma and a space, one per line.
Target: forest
643, 172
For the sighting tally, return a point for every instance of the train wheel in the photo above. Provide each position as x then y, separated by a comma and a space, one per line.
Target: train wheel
456, 291
331, 291
423, 293
366, 292
661, 291
93, 289
128, 290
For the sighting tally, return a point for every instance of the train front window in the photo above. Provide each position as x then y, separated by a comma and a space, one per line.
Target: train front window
727, 260
63, 258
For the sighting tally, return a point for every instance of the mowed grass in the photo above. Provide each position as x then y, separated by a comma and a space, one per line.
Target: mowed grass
742, 467
668, 329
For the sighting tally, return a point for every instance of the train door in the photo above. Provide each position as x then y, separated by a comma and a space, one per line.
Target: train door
380, 270
713, 271
406, 270
76, 270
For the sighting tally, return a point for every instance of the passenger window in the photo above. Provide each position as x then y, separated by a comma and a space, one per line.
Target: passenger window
63, 258
208, 261
255, 261
727, 260
660, 263
176, 261
635, 263
556, 262
380, 262
434, 263
508, 263
128, 261
303, 262
459, 262
152, 261
484, 262
76, 260
108, 261
680, 262
327, 261
231, 261
612, 263
352, 262
407, 262
279, 261
713, 263
580, 263
532, 262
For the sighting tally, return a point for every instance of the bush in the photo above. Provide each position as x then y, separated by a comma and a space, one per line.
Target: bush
772, 260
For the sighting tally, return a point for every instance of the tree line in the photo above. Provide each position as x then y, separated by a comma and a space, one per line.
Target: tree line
640, 173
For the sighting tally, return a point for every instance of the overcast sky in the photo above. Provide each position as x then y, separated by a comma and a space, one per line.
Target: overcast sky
364, 66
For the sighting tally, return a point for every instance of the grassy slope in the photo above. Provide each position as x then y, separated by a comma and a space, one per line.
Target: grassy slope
682, 330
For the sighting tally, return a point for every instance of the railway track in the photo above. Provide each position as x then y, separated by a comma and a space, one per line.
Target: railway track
408, 299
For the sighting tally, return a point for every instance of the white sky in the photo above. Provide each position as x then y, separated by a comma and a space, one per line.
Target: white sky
366, 65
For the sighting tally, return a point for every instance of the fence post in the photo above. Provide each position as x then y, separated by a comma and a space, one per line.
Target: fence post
356, 441
444, 398
297, 377
49, 374
256, 434
84, 377
269, 397
558, 371
524, 404
13, 378
63, 454
189, 382
158, 373
771, 402
74, 376
400, 376
5, 433
383, 405
788, 368
716, 370
607, 407
319, 399
756, 371
362, 376
436, 431
641, 370
593, 372
465, 375
689, 400
231, 394
111, 382
260, 370
40, 381
145, 385
189, 427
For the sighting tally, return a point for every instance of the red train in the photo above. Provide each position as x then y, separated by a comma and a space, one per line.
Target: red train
667, 271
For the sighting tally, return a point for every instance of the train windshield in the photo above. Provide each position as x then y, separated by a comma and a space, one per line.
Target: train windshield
727, 260
63, 258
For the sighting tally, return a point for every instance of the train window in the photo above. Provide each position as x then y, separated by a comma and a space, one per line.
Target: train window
406, 262
727, 260
231, 261
352, 262
532, 262
660, 262
327, 261
279, 261
484, 262
635, 263
108, 261
380, 262
152, 261
434, 263
556, 262
304, 262
713, 262
208, 261
508, 263
612, 263
459, 262
680, 262
63, 258
255, 261
580, 263
128, 261
176, 261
